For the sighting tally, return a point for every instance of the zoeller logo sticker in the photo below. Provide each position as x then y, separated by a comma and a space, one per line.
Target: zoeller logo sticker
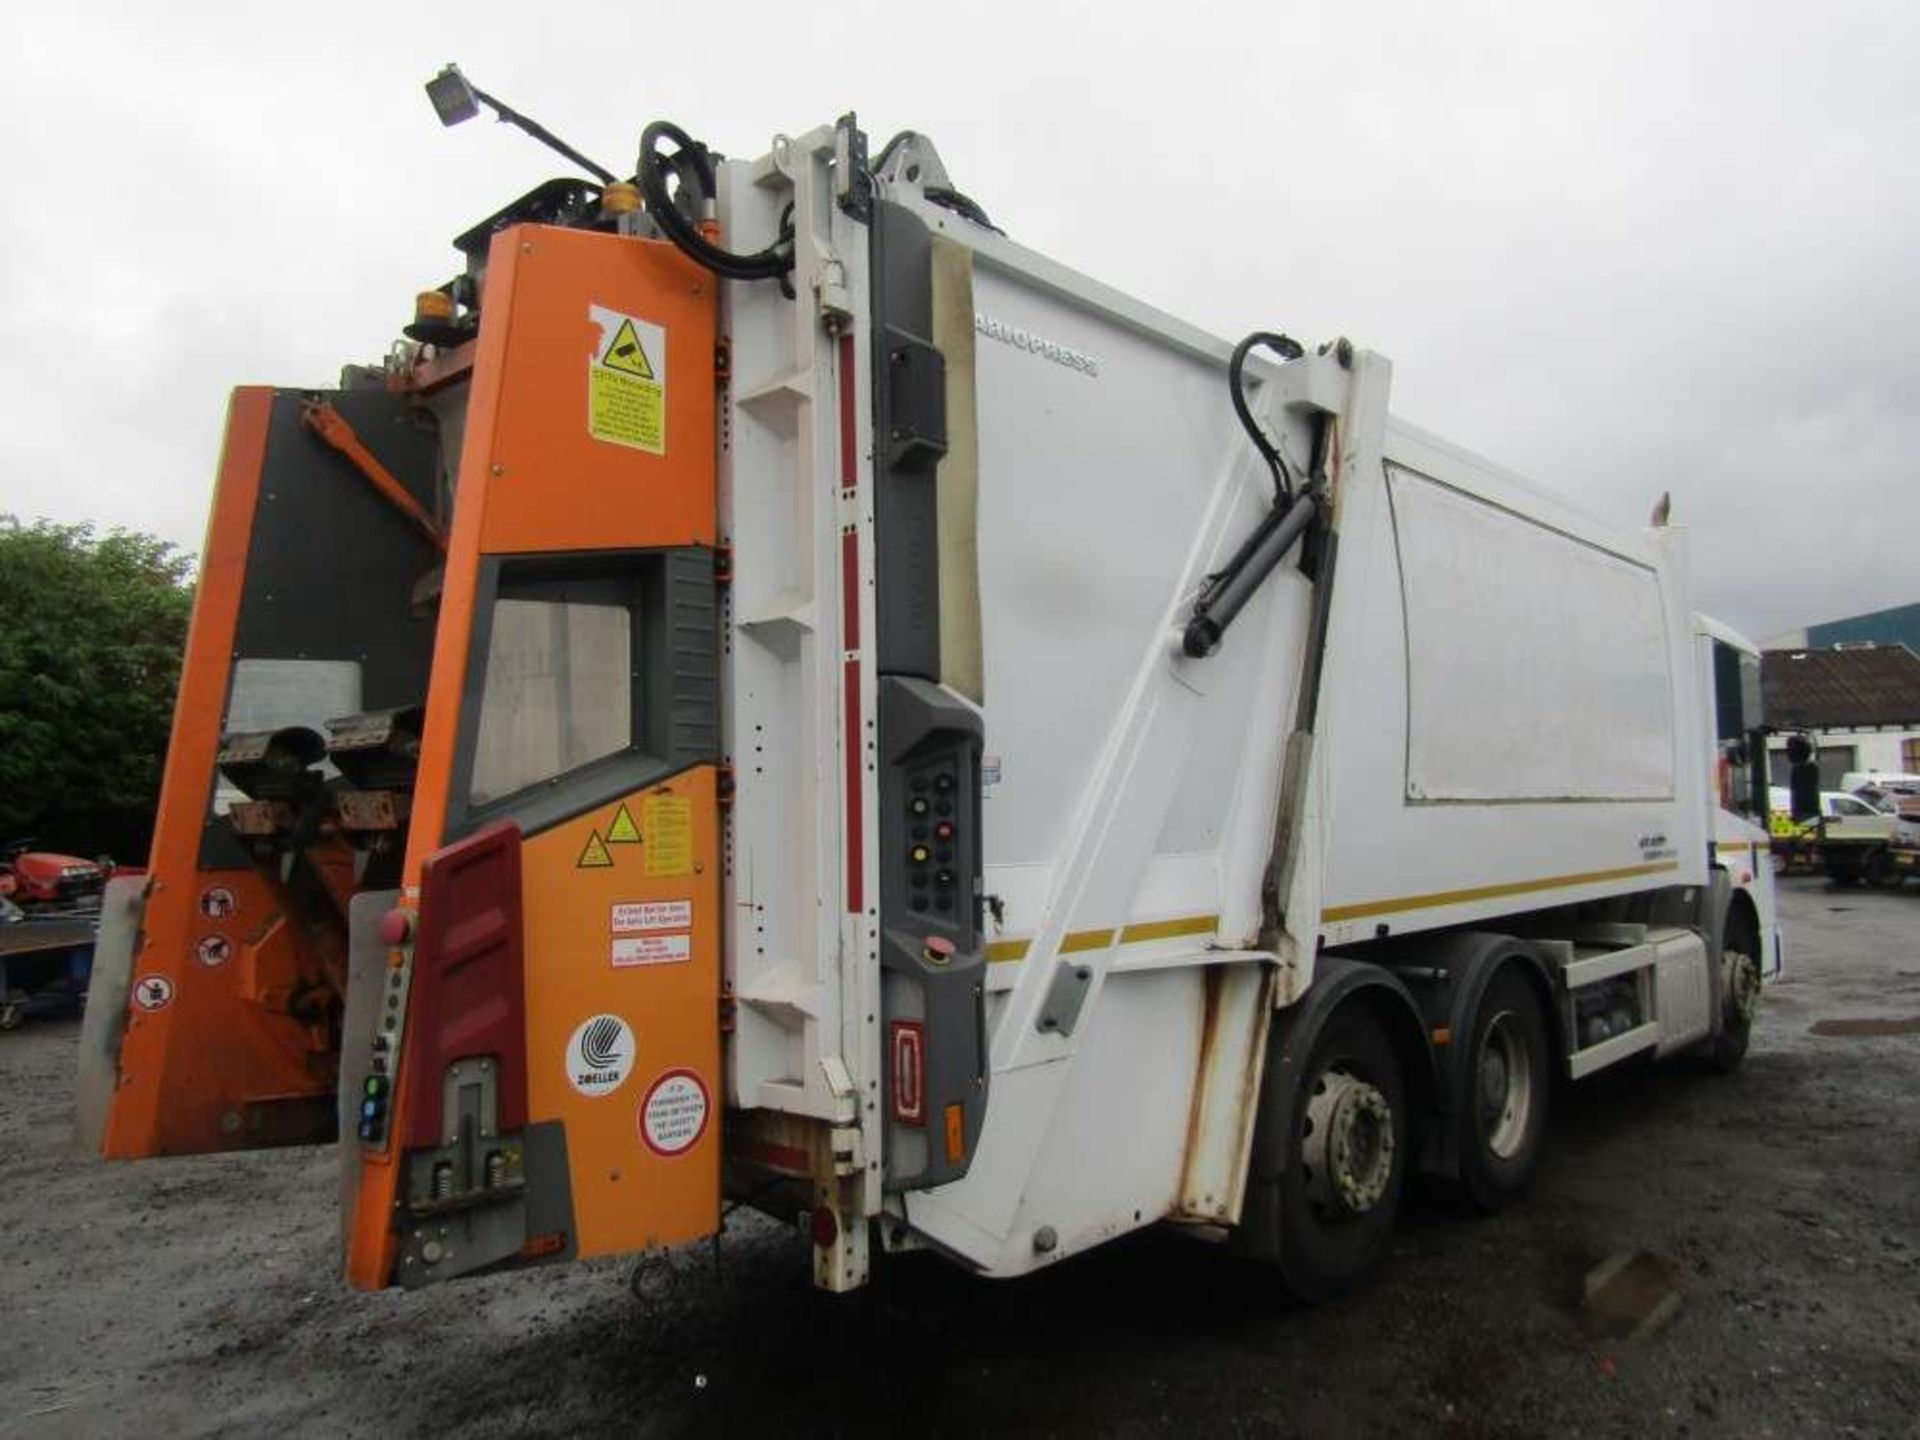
601, 1054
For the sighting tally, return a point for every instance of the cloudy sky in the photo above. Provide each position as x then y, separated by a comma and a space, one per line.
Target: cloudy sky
1622, 248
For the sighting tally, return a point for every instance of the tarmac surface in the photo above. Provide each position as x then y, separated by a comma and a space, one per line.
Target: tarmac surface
200, 1296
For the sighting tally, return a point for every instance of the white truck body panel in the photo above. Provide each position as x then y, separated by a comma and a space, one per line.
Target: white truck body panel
1508, 720
1580, 817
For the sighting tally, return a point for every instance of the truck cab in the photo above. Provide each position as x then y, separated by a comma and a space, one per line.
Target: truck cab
1743, 812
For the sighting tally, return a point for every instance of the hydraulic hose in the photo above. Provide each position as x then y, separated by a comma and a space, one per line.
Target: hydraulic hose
691, 161
1287, 348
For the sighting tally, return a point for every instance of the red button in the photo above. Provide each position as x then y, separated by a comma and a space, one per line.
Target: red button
944, 830
395, 927
939, 945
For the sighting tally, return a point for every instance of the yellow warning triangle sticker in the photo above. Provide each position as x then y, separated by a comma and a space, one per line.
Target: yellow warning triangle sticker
623, 831
596, 856
625, 354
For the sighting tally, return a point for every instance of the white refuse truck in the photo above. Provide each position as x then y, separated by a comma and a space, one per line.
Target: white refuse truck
871, 721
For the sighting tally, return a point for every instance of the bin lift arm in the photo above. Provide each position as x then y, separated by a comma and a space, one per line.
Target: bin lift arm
331, 426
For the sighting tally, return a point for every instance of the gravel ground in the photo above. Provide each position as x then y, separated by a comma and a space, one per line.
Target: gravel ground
199, 1296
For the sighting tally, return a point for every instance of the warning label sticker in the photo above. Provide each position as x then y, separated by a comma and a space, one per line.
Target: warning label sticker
153, 992
213, 950
217, 903
653, 915
669, 824
673, 1117
627, 382
623, 831
600, 1055
651, 949
594, 855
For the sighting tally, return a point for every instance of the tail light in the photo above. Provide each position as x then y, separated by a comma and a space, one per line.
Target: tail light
909, 1072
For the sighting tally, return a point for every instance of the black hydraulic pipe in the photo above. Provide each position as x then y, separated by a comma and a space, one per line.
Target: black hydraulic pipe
1243, 576
545, 136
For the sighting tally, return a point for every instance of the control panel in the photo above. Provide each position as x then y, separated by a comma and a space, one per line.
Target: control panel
933, 964
390, 1026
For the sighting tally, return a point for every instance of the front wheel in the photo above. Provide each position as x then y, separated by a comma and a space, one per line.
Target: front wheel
1740, 987
1346, 1161
1508, 1076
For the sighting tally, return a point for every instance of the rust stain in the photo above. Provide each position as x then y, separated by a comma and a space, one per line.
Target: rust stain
1217, 1199
1196, 1107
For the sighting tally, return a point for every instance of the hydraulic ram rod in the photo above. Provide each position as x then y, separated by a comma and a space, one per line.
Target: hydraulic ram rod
1227, 594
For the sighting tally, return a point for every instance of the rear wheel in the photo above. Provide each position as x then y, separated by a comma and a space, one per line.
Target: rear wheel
1346, 1163
1505, 1116
1880, 871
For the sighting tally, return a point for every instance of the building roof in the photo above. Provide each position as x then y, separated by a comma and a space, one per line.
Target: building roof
1855, 688
1898, 626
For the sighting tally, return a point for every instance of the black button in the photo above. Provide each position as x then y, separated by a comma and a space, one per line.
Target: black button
943, 782
944, 806
919, 782
919, 832
919, 902
943, 902
943, 877
943, 854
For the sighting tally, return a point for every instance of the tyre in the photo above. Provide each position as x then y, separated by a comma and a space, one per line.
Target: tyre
1503, 1117
1347, 1157
1740, 989
1880, 871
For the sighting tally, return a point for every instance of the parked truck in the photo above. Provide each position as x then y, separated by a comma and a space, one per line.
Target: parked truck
777, 691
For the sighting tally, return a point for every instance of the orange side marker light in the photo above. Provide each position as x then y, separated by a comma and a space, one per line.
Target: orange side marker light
956, 1133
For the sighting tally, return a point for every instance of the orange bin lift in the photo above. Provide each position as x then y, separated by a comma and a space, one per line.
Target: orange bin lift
437, 865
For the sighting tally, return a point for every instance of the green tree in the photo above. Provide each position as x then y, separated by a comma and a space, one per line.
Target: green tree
91, 633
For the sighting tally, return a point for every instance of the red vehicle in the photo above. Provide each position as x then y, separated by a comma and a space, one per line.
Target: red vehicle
44, 878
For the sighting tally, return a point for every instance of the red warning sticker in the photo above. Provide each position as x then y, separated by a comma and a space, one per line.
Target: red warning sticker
213, 950
153, 992
673, 1117
217, 902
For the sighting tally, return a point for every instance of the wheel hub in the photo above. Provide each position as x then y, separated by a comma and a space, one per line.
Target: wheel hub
1347, 1144
1506, 1086
1743, 984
